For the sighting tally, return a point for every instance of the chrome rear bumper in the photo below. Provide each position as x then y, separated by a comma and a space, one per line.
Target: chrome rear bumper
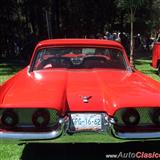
17, 137
138, 135
23, 136
134, 135
54, 135
62, 130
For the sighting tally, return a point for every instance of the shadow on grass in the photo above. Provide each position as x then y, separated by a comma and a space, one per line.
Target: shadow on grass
147, 57
141, 62
85, 151
9, 68
149, 71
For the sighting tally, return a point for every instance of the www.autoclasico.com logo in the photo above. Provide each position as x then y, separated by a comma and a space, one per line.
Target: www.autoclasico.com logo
138, 155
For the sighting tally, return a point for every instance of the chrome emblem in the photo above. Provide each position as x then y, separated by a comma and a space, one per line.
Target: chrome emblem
86, 98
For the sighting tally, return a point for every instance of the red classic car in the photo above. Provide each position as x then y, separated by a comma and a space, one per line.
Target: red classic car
79, 85
156, 56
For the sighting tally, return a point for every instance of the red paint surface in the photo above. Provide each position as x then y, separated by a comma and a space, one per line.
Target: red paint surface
156, 55
62, 89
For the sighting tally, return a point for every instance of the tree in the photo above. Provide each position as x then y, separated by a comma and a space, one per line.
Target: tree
156, 16
23, 21
131, 6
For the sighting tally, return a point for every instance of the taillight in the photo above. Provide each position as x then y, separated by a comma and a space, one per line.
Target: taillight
41, 118
155, 116
130, 117
9, 118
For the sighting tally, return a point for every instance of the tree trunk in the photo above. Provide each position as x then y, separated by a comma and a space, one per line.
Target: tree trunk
48, 24
131, 40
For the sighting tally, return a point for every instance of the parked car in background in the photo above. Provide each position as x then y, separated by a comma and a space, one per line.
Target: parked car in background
156, 56
79, 85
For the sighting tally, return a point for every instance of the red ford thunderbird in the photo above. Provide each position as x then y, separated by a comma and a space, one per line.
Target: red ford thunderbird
79, 85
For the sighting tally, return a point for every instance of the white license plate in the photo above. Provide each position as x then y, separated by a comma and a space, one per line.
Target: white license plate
86, 122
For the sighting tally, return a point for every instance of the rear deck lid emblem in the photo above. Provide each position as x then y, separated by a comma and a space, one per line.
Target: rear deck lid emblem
85, 98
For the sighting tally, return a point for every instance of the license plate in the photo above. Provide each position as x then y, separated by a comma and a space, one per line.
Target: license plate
86, 122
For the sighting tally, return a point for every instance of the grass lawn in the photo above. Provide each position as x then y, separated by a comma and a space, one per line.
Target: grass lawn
144, 66
7, 70
51, 151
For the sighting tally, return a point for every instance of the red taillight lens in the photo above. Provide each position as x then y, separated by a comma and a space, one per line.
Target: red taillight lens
131, 117
9, 119
41, 118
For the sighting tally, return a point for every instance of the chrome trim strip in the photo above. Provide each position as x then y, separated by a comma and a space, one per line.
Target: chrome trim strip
28, 70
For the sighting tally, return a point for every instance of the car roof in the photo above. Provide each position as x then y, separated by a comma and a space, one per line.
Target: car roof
96, 42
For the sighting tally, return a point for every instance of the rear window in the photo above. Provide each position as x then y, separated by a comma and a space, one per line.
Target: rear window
79, 58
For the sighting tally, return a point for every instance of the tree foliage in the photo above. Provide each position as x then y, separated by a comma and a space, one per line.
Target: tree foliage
132, 6
24, 22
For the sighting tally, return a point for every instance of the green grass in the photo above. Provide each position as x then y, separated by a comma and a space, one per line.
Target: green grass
144, 66
7, 70
10, 151
15, 152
